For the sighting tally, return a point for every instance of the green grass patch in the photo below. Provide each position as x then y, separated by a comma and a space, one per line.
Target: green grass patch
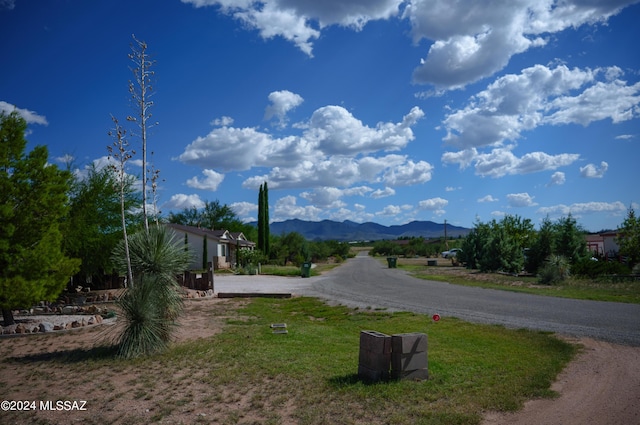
473, 368
576, 288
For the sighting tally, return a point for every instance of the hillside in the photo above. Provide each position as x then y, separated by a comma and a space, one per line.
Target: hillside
351, 231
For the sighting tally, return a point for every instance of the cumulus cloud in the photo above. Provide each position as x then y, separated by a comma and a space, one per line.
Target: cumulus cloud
434, 204
211, 181
496, 117
300, 22
557, 179
287, 208
518, 200
383, 193
582, 208
501, 161
244, 210
473, 41
281, 102
334, 150
593, 172
539, 95
30, 117
470, 40
181, 201
222, 121
488, 198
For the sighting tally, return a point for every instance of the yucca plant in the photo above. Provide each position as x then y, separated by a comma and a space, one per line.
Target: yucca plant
555, 269
152, 305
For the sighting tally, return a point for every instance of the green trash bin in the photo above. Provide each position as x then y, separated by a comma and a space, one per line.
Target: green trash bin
305, 269
392, 261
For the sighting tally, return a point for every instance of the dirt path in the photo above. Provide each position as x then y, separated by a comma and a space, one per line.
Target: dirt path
600, 387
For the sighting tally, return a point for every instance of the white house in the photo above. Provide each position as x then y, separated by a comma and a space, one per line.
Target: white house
221, 245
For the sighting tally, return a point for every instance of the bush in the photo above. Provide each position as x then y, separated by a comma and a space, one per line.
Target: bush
152, 303
554, 270
593, 269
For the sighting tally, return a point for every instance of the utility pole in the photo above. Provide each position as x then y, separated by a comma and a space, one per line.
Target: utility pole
446, 242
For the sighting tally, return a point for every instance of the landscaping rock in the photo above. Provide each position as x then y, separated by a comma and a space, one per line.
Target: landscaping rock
46, 327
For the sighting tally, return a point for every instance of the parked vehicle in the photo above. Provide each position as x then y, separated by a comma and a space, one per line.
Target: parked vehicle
451, 253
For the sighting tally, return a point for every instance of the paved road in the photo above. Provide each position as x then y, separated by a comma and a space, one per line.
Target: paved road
365, 282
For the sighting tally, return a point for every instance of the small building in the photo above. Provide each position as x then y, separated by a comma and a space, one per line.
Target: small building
221, 245
603, 244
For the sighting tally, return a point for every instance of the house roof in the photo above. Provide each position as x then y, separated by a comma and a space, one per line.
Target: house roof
221, 235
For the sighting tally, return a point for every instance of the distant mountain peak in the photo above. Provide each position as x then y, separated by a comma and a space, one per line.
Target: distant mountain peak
351, 231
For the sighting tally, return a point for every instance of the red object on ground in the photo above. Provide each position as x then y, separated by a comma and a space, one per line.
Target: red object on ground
436, 317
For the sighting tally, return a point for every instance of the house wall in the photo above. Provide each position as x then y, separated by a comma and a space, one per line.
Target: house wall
610, 245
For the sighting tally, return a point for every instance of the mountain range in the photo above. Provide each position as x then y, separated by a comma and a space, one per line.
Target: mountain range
347, 231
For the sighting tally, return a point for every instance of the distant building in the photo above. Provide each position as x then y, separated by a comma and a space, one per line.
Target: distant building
603, 244
222, 245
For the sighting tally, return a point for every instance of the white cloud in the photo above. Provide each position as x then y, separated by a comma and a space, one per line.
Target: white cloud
181, 201
498, 213
501, 161
625, 137
408, 174
222, 121
510, 105
591, 171
581, 208
383, 193
295, 20
390, 210
325, 197
433, 204
65, 159
331, 152
451, 188
281, 102
286, 208
29, 116
211, 181
334, 130
557, 179
473, 40
518, 200
488, 198
244, 210
470, 40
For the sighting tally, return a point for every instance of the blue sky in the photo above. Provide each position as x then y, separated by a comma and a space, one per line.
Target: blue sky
364, 110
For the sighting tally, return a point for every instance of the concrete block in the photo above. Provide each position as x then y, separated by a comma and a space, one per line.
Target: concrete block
374, 359
409, 356
409, 343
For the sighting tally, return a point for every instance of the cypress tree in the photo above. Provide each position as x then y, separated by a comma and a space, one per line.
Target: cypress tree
265, 218
260, 219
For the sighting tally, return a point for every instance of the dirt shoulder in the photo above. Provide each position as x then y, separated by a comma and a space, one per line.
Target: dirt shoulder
601, 386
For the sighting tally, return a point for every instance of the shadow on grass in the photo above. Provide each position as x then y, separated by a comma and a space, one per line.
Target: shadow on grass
104, 352
352, 379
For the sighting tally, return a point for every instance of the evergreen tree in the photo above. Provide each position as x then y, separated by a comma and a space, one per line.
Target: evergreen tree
629, 237
570, 241
266, 232
93, 224
260, 242
542, 246
33, 201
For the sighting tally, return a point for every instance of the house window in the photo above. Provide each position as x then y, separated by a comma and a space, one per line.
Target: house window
223, 250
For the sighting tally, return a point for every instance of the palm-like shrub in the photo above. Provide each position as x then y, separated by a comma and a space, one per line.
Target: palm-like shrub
555, 269
152, 302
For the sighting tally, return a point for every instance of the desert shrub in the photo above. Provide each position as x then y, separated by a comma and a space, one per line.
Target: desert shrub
152, 302
554, 270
